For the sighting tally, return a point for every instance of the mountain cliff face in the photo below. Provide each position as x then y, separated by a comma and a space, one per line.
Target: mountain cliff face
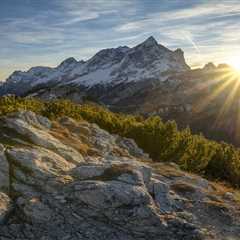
72, 180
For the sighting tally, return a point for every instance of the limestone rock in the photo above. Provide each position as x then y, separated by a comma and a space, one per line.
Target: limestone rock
30, 128
72, 180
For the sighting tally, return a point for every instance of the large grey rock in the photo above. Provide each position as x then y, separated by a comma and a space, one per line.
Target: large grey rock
29, 126
36, 166
89, 171
32, 119
104, 192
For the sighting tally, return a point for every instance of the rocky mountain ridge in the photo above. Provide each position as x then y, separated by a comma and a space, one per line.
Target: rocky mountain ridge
108, 67
72, 180
148, 79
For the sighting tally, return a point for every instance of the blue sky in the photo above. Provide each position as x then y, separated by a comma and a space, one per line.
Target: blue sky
45, 32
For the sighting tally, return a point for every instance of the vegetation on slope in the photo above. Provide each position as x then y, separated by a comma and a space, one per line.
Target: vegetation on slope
163, 141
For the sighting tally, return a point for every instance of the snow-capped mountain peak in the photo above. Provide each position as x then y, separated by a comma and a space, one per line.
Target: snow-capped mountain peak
68, 61
107, 57
68, 64
152, 44
149, 42
148, 60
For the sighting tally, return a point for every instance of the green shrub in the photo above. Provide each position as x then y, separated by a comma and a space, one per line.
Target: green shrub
163, 141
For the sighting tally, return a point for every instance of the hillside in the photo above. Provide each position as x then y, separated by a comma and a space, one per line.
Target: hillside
70, 179
119, 120
162, 141
147, 79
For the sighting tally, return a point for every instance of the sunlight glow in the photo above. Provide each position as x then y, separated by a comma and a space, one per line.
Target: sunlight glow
235, 62
223, 81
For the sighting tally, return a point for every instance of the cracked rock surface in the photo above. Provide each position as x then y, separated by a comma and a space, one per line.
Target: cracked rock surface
72, 180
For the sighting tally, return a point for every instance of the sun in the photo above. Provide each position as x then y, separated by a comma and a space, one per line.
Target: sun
235, 63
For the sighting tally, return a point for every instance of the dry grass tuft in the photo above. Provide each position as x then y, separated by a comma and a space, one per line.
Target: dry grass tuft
166, 170
183, 188
66, 137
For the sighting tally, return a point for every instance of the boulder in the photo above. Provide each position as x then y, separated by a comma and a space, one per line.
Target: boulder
36, 166
31, 129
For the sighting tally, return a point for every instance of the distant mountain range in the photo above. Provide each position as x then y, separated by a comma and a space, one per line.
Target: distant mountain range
147, 79
148, 60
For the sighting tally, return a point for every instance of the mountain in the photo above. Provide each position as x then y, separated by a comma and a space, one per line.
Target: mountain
68, 179
147, 79
148, 60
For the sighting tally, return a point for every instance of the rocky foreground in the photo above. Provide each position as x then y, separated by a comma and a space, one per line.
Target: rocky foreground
72, 180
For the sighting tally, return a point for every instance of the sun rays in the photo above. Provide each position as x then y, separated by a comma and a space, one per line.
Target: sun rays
222, 92
214, 87
235, 63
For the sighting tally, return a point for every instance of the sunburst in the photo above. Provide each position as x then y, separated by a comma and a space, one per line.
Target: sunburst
235, 63
229, 91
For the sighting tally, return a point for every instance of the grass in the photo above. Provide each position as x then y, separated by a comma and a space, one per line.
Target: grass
67, 138
166, 170
183, 188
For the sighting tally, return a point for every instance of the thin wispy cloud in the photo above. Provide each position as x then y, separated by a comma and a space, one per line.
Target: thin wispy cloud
45, 32
199, 12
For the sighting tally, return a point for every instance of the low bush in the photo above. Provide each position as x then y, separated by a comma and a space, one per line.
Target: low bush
163, 141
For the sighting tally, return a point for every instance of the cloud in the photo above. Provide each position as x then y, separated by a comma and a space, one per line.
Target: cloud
79, 28
69, 19
203, 12
201, 29
79, 11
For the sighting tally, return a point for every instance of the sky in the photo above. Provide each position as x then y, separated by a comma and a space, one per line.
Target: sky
45, 32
